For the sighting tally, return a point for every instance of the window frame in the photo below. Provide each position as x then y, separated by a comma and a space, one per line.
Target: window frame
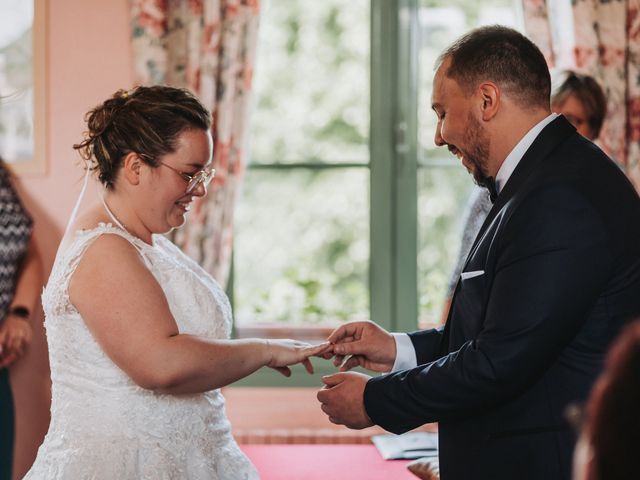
393, 164
37, 164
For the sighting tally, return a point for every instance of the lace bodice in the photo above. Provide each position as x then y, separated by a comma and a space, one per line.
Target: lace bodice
104, 426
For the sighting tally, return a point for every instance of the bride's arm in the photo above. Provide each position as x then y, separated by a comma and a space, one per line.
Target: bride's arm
126, 310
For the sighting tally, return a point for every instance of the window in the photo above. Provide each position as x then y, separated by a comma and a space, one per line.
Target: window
301, 253
348, 209
22, 84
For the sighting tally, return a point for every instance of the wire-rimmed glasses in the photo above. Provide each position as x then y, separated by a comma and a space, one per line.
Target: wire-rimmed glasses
201, 177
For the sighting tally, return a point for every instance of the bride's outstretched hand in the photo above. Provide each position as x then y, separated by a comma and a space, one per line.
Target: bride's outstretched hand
284, 352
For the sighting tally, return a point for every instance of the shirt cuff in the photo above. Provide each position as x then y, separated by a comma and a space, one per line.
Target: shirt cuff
405, 353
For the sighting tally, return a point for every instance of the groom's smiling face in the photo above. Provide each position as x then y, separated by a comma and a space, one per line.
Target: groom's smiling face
458, 128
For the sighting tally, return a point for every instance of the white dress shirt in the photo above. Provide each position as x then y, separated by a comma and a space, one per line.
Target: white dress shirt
405, 353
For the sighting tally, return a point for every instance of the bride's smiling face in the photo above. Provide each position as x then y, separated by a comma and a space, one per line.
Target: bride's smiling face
164, 191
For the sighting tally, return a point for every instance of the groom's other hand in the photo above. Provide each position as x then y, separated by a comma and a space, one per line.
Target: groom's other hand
367, 345
342, 399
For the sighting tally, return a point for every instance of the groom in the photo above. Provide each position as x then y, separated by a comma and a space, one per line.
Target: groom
552, 276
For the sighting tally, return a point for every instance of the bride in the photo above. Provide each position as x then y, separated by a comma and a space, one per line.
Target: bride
138, 332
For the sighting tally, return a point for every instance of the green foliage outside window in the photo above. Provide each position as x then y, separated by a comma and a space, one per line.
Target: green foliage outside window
302, 234
312, 83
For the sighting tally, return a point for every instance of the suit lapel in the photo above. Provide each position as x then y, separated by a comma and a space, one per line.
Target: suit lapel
550, 137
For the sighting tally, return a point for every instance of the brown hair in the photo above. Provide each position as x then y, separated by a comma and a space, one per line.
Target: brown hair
613, 411
504, 56
589, 94
145, 120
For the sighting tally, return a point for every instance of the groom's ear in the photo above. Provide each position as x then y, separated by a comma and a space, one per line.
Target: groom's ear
489, 96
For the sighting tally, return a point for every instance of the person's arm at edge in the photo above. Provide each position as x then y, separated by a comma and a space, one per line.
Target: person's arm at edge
30, 281
16, 332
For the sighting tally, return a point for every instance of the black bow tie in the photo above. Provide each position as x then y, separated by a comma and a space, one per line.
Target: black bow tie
490, 185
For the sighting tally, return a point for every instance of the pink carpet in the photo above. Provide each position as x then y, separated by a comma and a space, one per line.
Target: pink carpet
322, 462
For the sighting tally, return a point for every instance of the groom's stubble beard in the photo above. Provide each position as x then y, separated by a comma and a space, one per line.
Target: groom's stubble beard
478, 142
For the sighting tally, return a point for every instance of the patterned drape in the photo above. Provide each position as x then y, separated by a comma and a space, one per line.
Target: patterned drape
605, 44
209, 47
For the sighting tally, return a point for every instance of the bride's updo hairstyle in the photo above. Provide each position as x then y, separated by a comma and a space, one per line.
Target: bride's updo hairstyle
145, 120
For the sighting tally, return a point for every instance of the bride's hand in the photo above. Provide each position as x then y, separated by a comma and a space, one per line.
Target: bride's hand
284, 352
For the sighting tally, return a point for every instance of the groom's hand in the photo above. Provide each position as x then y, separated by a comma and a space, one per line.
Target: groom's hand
369, 346
342, 399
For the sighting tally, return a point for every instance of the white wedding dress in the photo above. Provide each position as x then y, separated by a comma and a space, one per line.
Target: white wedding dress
104, 426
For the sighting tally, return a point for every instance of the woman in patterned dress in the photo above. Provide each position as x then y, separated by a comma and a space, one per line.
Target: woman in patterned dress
20, 284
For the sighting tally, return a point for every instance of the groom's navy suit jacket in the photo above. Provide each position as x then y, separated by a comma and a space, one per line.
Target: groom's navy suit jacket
560, 256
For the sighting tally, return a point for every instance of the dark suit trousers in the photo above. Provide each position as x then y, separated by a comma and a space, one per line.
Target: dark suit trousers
6, 426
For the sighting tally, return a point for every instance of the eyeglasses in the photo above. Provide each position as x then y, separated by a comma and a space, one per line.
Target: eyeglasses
201, 177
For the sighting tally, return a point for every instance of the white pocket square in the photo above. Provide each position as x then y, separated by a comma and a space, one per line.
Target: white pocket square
468, 275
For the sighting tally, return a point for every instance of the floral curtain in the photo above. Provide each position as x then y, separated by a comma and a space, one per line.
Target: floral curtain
208, 46
603, 41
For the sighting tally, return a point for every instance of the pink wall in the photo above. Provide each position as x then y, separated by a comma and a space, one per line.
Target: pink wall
88, 58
